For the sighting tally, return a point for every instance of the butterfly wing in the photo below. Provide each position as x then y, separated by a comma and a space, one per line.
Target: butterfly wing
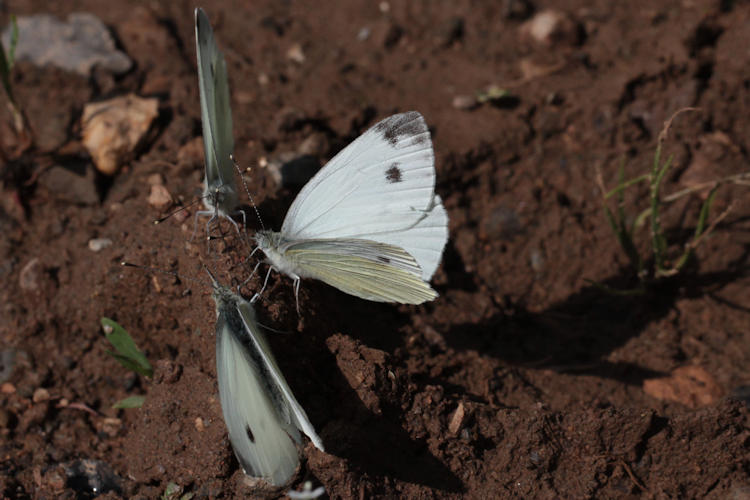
367, 269
379, 188
264, 444
287, 404
216, 115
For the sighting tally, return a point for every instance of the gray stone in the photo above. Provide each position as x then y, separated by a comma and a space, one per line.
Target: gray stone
78, 44
69, 185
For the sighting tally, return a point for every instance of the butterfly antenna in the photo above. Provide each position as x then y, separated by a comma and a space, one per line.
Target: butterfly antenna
163, 271
247, 191
274, 330
185, 207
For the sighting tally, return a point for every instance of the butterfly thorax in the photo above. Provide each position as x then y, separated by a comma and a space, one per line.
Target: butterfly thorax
225, 299
274, 245
222, 199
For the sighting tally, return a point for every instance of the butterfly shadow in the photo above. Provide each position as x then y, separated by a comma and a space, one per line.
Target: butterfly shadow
373, 443
574, 335
376, 445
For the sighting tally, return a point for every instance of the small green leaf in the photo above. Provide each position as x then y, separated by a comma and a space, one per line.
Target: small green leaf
492, 93
127, 353
173, 490
130, 402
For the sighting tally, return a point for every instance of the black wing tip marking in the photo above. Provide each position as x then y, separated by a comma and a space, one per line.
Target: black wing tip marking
409, 124
384, 259
249, 433
394, 174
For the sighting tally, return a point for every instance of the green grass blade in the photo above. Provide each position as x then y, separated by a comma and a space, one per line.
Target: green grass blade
705, 209
130, 402
699, 228
658, 241
127, 353
621, 187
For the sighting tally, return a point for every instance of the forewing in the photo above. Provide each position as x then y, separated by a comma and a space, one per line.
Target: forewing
367, 269
261, 441
291, 407
216, 115
382, 182
425, 240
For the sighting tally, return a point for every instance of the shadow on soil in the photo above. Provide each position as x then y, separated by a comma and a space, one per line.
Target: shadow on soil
574, 335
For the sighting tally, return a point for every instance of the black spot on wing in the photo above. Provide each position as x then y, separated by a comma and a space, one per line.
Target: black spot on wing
386, 260
404, 124
249, 433
393, 174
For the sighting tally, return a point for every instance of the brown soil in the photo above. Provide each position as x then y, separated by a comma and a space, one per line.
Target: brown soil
522, 380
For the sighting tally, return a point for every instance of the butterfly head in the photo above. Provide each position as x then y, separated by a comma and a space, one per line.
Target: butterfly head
221, 196
267, 240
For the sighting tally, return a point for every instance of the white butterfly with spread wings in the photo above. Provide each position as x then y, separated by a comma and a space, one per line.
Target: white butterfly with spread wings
219, 186
369, 222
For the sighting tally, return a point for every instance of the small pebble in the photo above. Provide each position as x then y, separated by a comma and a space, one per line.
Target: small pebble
457, 420
199, 425
296, 54
99, 244
551, 27
40, 395
111, 426
28, 278
155, 179
315, 145
159, 197
113, 129
465, 102
364, 34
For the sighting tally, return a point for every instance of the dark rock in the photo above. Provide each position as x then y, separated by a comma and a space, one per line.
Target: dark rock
91, 477
74, 186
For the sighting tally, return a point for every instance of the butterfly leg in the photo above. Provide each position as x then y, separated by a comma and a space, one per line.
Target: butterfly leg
296, 292
244, 218
199, 213
249, 277
249, 256
265, 282
234, 223
208, 231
